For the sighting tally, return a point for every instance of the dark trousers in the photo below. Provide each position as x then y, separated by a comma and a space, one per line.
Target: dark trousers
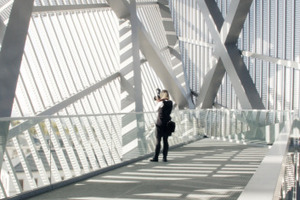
161, 133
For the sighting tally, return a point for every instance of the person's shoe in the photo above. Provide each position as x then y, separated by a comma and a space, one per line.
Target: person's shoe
165, 160
154, 160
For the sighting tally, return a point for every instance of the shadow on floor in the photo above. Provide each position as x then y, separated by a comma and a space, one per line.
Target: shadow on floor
206, 169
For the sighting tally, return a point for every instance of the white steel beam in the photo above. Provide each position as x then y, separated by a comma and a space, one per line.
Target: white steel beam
24, 162
54, 109
47, 148
10, 61
36, 158
225, 33
68, 145
11, 171
157, 62
173, 46
153, 56
47, 9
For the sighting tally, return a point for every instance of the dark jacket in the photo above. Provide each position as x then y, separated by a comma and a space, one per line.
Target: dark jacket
164, 113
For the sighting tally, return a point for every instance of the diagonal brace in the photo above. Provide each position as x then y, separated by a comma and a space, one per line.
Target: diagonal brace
153, 56
225, 33
10, 62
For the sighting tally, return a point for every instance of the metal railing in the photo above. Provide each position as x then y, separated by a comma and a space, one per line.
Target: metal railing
278, 175
59, 149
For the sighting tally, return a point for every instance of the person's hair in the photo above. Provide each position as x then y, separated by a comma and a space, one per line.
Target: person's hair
164, 94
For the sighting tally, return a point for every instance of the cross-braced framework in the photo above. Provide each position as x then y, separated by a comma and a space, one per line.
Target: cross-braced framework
66, 64
225, 34
82, 62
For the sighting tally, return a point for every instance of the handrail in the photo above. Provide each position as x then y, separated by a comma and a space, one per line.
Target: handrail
56, 108
112, 138
266, 182
49, 116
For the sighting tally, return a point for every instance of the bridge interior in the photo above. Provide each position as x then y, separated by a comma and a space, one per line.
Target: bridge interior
77, 80
205, 169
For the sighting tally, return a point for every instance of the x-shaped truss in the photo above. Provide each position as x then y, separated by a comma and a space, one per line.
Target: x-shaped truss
225, 33
153, 55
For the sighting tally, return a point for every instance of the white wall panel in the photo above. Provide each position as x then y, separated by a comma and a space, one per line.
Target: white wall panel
270, 30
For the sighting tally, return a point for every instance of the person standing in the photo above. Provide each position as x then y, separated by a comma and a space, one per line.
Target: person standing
164, 108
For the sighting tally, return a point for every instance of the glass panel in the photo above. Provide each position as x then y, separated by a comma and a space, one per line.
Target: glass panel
45, 150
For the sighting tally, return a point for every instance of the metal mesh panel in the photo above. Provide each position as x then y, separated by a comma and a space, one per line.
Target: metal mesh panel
269, 31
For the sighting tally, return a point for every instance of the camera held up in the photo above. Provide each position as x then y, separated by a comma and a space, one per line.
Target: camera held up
157, 97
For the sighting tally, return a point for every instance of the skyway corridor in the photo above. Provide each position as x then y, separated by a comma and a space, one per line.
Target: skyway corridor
205, 169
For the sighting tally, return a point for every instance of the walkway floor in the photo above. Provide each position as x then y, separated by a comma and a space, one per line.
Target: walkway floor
206, 169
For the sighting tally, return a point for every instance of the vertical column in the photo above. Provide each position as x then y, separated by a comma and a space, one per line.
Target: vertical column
10, 61
142, 143
131, 85
136, 58
173, 45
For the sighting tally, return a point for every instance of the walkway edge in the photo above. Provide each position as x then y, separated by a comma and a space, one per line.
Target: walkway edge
54, 186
